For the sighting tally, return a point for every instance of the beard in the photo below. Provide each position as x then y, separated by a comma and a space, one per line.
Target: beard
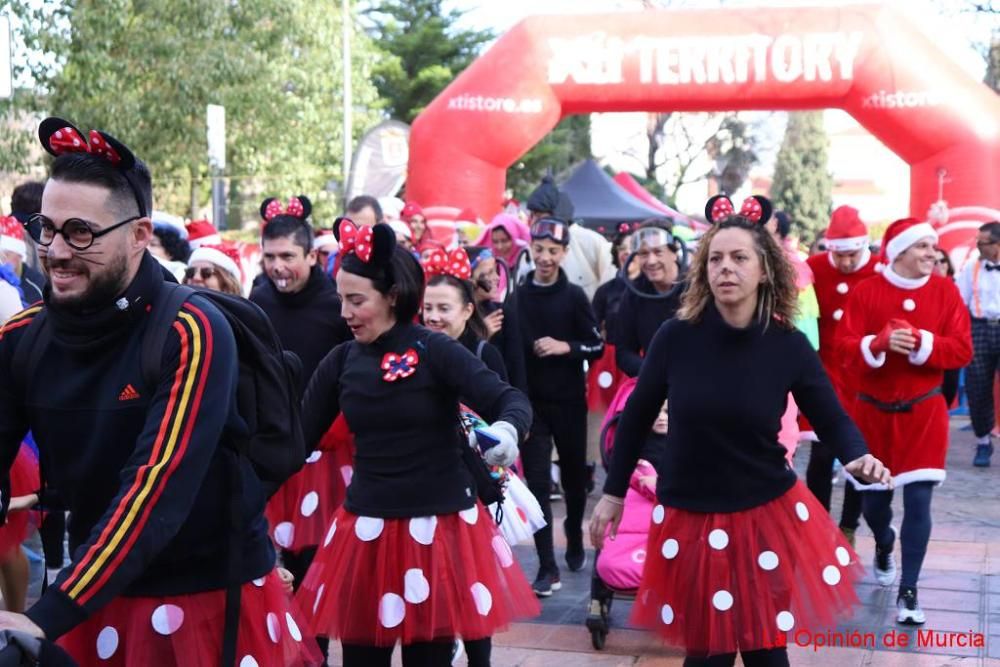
103, 286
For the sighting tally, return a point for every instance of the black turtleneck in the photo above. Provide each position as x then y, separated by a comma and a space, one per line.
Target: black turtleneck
140, 468
639, 317
308, 322
408, 459
727, 390
508, 341
563, 312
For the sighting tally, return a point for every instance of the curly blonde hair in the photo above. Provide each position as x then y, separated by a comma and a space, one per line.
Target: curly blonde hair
777, 296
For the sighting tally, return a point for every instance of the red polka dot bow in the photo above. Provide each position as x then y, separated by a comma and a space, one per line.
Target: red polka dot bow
754, 209
356, 239
68, 140
274, 209
399, 366
455, 264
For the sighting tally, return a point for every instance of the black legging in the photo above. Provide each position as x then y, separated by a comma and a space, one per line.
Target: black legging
420, 654
916, 529
819, 479
565, 423
774, 657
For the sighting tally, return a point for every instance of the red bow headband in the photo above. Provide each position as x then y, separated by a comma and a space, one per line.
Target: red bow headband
359, 240
756, 209
60, 137
455, 264
298, 207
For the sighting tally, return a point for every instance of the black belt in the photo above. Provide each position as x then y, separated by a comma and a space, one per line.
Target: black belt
990, 321
899, 406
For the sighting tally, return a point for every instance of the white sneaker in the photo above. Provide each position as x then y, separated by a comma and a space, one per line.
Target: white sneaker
886, 574
908, 611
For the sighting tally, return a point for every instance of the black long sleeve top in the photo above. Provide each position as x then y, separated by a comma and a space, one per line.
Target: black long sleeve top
143, 470
486, 351
727, 390
408, 459
607, 300
509, 341
563, 312
308, 322
638, 321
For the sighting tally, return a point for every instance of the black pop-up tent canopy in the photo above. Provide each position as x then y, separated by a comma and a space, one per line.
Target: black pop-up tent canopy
599, 202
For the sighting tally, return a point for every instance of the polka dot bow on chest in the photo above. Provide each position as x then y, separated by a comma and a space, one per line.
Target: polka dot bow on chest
399, 366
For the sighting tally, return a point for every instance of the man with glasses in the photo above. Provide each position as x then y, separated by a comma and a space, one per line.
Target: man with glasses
979, 285
146, 470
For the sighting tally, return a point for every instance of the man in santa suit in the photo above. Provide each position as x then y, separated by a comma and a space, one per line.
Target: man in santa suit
835, 275
900, 331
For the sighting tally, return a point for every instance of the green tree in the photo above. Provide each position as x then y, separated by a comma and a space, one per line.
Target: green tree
565, 146
145, 71
423, 51
802, 183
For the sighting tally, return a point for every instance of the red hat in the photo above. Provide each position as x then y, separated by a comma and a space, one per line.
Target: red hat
226, 257
846, 232
901, 234
325, 239
411, 209
202, 232
12, 236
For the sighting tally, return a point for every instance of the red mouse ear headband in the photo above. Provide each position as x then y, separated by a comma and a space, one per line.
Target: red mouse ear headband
756, 209
298, 207
455, 264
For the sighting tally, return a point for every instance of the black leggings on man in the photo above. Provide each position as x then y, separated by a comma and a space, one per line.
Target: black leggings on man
565, 423
916, 529
819, 479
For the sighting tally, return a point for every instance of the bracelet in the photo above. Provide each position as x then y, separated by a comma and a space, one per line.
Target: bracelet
615, 500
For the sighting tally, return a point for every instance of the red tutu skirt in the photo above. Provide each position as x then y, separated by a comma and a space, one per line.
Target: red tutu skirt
301, 511
719, 583
24, 479
378, 581
187, 630
603, 379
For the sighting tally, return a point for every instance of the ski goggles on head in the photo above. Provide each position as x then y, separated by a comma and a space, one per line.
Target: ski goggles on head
550, 228
651, 237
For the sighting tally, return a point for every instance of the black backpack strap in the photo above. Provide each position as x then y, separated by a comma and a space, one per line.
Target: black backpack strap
165, 308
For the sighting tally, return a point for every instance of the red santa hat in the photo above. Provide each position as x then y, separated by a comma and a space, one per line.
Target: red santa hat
902, 234
225, 257
12, 236
846, 233
411, 209
202, 232
325, 240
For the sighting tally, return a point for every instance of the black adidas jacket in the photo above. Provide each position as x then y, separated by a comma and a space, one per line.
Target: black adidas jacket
142, 470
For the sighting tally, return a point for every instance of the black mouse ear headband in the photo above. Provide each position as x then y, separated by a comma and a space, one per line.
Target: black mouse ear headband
59, 137
756, 209
374, 246
298, 207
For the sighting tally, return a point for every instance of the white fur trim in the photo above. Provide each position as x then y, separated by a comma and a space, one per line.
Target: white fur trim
905, 239
847, 245
901, 282
10, 244
866, 352
213, 256
213, 239
919, 475
920, 356
326, 241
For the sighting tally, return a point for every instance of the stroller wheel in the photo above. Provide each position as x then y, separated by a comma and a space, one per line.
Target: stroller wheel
597, 638
598, 623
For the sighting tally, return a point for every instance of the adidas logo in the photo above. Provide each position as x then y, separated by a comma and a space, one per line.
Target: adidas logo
128, 394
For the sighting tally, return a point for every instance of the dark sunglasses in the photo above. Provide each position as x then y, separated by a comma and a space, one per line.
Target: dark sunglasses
206, 272
78, 234
550, 228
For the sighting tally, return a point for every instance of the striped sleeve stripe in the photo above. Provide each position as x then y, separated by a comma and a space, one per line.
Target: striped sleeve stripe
19, 320
125, 526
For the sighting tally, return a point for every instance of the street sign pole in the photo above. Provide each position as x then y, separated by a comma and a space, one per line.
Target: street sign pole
216, 123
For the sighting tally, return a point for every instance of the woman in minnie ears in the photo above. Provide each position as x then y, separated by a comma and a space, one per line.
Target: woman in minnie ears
450, 308
413, 557
740, 553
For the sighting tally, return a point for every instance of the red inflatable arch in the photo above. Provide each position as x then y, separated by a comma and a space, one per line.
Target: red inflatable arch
867, 60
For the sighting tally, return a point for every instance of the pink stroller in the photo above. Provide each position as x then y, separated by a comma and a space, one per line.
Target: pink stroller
618, 566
